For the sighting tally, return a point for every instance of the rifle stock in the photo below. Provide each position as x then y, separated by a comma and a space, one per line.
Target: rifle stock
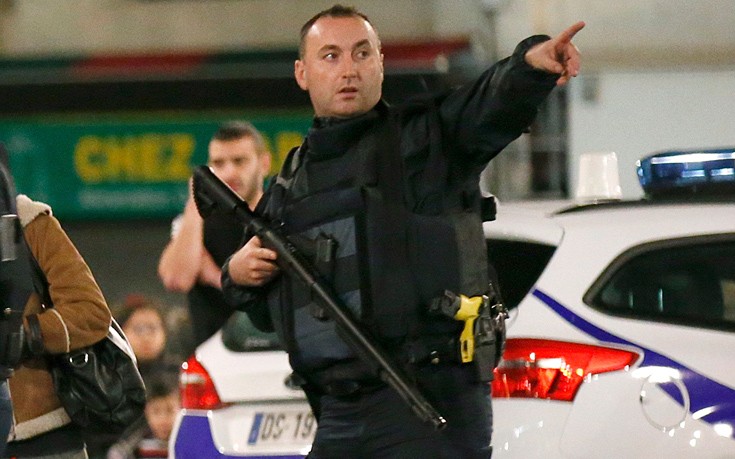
210, 194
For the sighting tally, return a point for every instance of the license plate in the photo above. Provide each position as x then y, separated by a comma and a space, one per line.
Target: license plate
274, 427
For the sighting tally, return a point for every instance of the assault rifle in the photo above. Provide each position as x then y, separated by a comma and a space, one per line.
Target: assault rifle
210, 194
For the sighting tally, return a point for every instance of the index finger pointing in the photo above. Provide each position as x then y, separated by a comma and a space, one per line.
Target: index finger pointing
571, 31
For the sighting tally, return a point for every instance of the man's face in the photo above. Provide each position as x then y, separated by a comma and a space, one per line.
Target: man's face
342, 67
237, 163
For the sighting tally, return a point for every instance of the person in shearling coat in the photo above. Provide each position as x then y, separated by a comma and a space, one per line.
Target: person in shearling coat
80, 317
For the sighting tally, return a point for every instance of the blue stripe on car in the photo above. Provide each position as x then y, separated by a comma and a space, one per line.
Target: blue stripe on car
194, 441
713, 402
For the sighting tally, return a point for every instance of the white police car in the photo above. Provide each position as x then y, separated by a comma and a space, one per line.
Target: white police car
238, 401
622, 320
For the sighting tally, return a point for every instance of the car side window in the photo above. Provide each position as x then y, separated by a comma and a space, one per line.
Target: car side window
240, 335
518, 265
690, 284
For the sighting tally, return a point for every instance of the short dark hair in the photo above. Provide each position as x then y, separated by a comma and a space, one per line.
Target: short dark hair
336, 11
160, 384
237, 129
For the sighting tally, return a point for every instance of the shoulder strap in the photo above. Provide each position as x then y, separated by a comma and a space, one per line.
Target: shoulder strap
290, 164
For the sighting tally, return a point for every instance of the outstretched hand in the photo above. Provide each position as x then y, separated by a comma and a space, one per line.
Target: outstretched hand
558, 55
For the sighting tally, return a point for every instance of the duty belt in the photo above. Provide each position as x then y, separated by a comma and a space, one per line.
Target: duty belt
344, 379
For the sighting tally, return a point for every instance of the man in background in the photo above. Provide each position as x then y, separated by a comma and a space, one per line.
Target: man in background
191, 261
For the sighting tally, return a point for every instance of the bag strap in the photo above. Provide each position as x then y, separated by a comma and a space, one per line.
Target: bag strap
40, 282
41, 286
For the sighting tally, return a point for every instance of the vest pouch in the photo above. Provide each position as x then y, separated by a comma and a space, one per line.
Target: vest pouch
392, 306
448, 253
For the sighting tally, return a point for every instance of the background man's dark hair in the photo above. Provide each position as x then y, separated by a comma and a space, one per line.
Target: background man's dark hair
161, 384
336, 11
233, 130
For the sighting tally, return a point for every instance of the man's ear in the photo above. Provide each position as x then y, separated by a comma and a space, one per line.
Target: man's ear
265, 163
382, 67
299, 71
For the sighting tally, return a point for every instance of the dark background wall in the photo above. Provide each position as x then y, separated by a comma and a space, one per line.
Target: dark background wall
123, 256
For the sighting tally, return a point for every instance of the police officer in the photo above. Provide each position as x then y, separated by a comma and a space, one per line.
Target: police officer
385, 202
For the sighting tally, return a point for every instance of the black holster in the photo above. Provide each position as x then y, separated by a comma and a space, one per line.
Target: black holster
486, 345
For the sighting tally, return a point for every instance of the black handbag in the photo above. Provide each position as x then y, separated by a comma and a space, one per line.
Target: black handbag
99, 386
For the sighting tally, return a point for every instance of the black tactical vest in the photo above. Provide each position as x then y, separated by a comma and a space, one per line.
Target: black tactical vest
341, 200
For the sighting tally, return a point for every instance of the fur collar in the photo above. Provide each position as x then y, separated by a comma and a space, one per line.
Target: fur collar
29, 209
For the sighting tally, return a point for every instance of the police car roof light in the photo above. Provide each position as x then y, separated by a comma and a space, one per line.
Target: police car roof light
708, 172
598, 178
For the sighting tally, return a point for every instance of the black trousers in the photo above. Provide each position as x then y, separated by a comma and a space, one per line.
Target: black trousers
379, 425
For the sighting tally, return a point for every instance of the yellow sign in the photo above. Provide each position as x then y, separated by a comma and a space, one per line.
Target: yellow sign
148, 157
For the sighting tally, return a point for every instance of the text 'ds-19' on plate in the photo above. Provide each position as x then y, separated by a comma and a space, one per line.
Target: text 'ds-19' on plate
282, 427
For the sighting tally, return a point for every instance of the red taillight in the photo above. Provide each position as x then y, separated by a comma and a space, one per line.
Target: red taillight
537, 368
196, 387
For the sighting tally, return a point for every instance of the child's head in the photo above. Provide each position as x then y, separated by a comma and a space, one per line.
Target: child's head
142, 320
162, 403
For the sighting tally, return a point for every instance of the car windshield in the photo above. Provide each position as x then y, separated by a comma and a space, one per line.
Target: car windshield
240, 335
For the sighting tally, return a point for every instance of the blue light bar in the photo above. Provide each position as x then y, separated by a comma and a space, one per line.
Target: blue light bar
677, 173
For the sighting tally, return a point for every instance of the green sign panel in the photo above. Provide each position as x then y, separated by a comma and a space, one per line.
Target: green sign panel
124, 167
